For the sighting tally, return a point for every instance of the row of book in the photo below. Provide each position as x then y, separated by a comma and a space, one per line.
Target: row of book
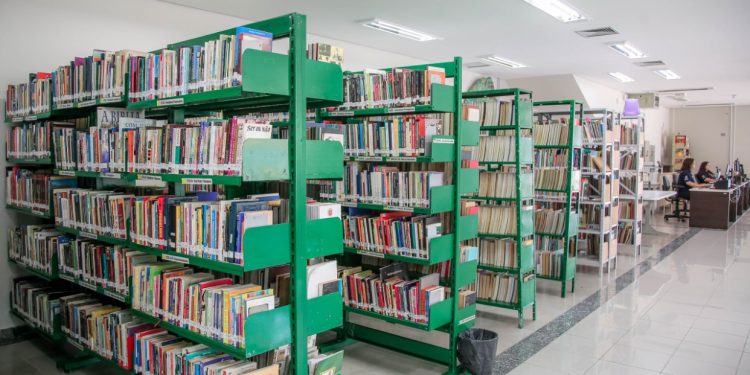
397, 87
626, 234
93, 211
628, 135
391, 292
498, 252
387, 185
37, 303
99, 76
31, 189
628, 185
550, 221
542, 243
29, 141
592, 132
326, 53
497, 184
497, 287
493, 112
30, 98
396, 233
391, 136
628, 209
590, 217
497, 219
629, 161
549, 263
551, 178
546, 158
34, 246
495, 149
553, 134
213, 65
592, 161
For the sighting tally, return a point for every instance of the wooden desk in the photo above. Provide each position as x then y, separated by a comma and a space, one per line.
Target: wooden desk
713, 208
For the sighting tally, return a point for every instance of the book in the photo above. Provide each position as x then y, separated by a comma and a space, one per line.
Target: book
319, 275
326, 53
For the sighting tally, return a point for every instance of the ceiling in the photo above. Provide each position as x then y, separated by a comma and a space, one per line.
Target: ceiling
705, 42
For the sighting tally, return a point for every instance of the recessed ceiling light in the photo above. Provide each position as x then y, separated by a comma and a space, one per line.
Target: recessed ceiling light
503, 61
404, 32
628, 50
667, 74
558, 9
621, 77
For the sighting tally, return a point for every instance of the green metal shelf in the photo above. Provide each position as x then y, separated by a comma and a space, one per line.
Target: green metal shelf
441, 100
70, 108
439, 202
30, 212
439, 316
29, 118
550, 190
96, 288
38, 273
98, 237
511, 270
96, 356
30, 161
182, 178
56, 334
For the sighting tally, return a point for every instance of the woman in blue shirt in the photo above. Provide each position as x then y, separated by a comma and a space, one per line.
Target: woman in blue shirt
686, 180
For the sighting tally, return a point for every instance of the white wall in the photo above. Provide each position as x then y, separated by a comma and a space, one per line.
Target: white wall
598, 96
708, 131
742, 134
658, 132
555, 87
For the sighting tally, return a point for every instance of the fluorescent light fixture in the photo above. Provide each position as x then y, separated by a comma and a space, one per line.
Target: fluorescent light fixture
404, 32
667, 74
558, 9
503, 61
628, 50
621, 77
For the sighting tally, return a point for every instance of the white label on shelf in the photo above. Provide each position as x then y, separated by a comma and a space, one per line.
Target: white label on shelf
371, 253
168, 102
467, 319
114, 295
403, 158
369, 158
449, 141
87, 285
65, 106
16, 119
87, 235
175, 258
76, 344
348, 204
197, 181
110, 175
399, 208
66, 173
112, 99
401, 109
87, 103
67, 278
149, 177
342, 113
30, 118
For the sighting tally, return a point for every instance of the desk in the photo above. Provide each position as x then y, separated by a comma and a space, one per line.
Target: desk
713, 208
651, 197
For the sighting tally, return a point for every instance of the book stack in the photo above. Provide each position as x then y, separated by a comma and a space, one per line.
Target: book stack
30, 189
391, 293
387, 185
396, 233
499, 220
30, 98
96, 146
498, 252
551, 178
92, 211
325, 53
549, 221
628, 135
592, 132
391, 136
496, 287
34, 246
99, 264
625, 234
216, 308
37, 302
29, 141
629, 161
64, 143
553, 134
497, 184
397, 87
214, 65
549, 263
496, 149
552, 158
591, 217
496, 112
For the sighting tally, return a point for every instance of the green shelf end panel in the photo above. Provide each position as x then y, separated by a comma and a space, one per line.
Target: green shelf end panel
526, 185
526, 219
323, 313
468, 227
525, 110
268, 160
466, 274
441, 100
466, 317
469, 180
573, 221
469, 133
528, 261
526, 150
439, 315
527, 289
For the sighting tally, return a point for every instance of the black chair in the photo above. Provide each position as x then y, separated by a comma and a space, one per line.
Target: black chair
680, 206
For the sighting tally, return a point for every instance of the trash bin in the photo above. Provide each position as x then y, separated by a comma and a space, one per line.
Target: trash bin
476, 350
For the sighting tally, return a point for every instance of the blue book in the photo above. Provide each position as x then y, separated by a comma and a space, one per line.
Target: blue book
234, 219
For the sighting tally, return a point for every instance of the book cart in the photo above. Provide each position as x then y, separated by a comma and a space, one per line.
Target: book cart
631, 182
600, 189
271, 82
446, 320
523, 267
557, 251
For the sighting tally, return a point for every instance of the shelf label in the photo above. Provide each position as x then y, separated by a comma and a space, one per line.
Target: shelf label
149, 177
467, 319
87, 235
403, 158
401, 109
87, 103
168, 102
113, 99
65, 106
114, 295
110, 175
348, 204
67, 173
175, 258
76, 344
371, 253
16, 119
342, 113
87, 285
448, 141
67, 278
399, 208
30, 118
197, 181
368, 158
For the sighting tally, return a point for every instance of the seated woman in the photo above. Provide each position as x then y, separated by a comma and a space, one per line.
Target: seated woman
704, 174
686, 180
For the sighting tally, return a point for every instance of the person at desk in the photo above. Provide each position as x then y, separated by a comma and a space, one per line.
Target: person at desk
686, 180
704, 174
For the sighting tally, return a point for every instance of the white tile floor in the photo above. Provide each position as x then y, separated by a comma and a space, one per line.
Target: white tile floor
689, 314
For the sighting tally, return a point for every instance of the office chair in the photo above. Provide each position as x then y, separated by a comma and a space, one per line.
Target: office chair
679, 205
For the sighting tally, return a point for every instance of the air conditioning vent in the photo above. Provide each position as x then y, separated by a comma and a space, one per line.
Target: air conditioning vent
477, 64
647, 64
601, 31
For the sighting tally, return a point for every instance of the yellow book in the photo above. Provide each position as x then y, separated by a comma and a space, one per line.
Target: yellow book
228, 294
91, 319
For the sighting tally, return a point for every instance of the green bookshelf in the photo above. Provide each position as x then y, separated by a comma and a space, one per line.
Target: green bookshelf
518, 126
564, 255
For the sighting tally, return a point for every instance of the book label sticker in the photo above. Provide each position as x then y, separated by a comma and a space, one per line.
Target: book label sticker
448, 141
65, 106
197, 181
30, 118
16, 119
87, 103
87, 235
368, 158
342, 113
113, 99
110, 175
67, 173
371, 253
401, 109
403, 158
149, 177
399, 208
467, 319
168, 102
175, 258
